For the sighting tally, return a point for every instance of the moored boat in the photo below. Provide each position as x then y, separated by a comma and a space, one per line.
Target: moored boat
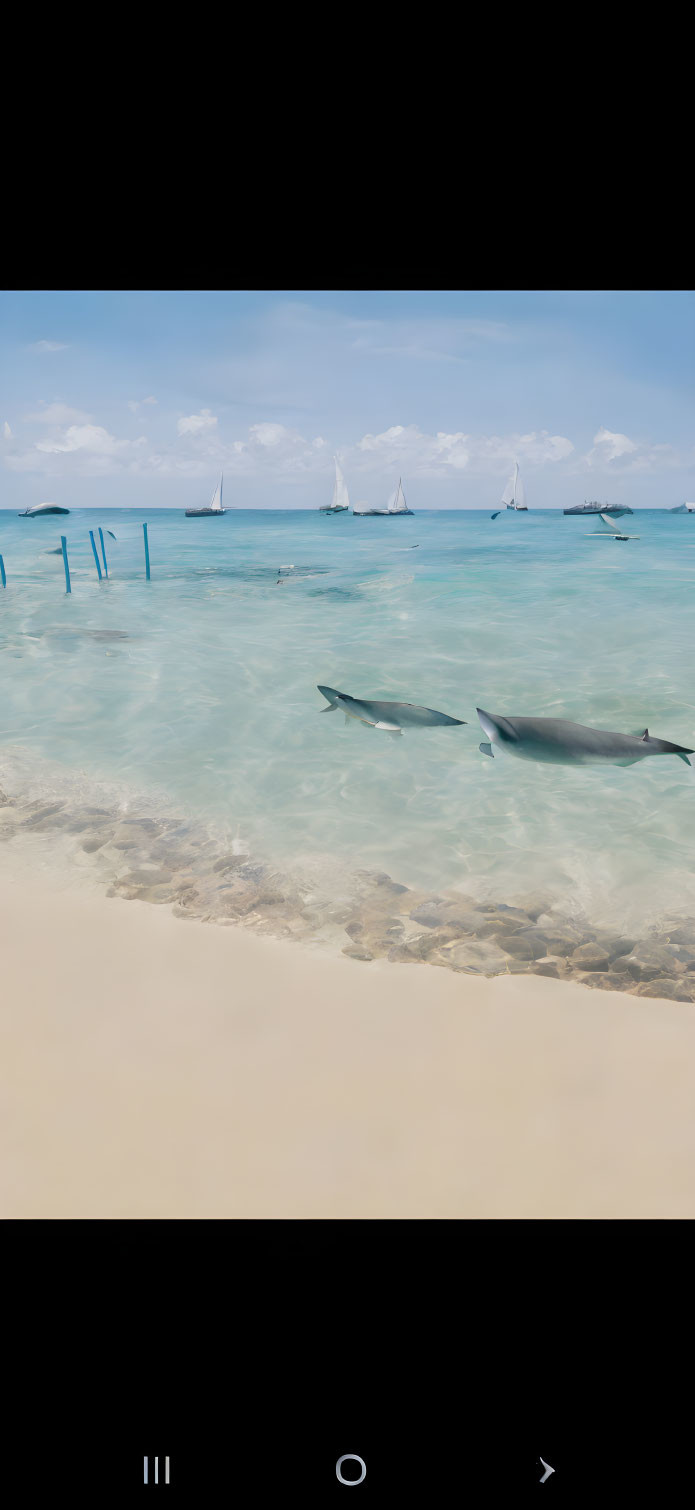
396, 505
40, 509
513, 495
214, 508
599, 508
341, 501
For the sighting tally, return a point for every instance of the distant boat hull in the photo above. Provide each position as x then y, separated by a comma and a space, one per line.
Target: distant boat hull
205, 513
334, 508
598, 508
381, 513
39, 512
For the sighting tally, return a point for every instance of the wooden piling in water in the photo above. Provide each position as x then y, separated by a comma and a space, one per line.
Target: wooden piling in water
3, 577
103, 552
147, 553
64, 545
96, 558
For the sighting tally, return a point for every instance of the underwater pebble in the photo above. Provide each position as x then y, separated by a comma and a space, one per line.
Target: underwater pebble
670, 989
590, 957
647, 961
481, 958
521, 945
556, 940
604, 980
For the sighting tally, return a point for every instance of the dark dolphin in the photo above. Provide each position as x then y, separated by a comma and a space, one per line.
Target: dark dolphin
557, 741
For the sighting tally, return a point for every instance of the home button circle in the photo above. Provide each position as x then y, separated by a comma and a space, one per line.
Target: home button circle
350, 1457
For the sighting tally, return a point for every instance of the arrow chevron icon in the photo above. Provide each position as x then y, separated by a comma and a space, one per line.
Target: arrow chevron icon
548, 1470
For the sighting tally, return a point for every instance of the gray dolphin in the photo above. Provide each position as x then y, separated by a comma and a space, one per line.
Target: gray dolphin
393, 717
556, 741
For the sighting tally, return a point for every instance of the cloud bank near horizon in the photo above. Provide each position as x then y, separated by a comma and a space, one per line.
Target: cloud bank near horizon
585, 391
72, 443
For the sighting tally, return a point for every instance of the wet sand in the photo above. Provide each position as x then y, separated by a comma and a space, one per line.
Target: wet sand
152, 1067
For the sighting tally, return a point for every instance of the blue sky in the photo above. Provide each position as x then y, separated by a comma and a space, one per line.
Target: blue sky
140, 398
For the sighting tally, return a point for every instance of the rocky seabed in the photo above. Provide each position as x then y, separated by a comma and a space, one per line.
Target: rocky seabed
170, 861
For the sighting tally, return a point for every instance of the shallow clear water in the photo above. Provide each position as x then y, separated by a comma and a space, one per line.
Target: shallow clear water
199, 687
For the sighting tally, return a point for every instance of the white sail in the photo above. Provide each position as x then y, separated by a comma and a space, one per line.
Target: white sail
361, 508
508, 494
340, 492
216, 501
513, 495
397, 503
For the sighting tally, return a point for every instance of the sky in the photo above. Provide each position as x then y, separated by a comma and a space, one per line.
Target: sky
140, 399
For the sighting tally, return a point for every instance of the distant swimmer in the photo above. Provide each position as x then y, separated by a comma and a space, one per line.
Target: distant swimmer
557, 741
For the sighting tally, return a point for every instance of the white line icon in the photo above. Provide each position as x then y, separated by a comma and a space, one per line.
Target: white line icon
156, 1470
548, 1471
350, 1457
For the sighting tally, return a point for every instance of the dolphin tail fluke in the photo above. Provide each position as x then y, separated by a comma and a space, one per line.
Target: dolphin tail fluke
486, 749
332, 708
685, 758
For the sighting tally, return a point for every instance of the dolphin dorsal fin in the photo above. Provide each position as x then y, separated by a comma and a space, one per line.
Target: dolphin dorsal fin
646, 734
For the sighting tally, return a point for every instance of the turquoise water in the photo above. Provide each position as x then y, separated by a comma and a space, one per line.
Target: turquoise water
199, 688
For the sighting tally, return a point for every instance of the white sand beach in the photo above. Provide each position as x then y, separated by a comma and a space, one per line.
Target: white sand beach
158, 1068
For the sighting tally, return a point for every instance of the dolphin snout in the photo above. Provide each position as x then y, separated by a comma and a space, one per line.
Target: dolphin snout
487, 723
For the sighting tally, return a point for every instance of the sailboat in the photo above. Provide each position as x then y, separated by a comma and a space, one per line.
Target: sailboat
341, 502
214, 508
395, 505
513, 494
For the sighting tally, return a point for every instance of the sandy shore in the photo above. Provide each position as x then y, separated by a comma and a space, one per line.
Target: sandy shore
157, 1068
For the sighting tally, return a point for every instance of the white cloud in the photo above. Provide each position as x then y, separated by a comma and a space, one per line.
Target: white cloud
82, 438
197, 424
272, 435
440, 454
609, 445
48, 346
6, 431
57, 414
136, 403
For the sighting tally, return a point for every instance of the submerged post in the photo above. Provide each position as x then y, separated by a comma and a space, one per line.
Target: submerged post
147, 553
103, 552
96, 558
64, 545
3, 578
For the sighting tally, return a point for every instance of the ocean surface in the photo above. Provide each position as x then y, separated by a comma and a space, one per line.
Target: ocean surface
197, 691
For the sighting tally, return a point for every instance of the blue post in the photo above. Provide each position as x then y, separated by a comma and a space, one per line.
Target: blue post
103, 552
3, 578
147, 553
64, 544
96, 558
